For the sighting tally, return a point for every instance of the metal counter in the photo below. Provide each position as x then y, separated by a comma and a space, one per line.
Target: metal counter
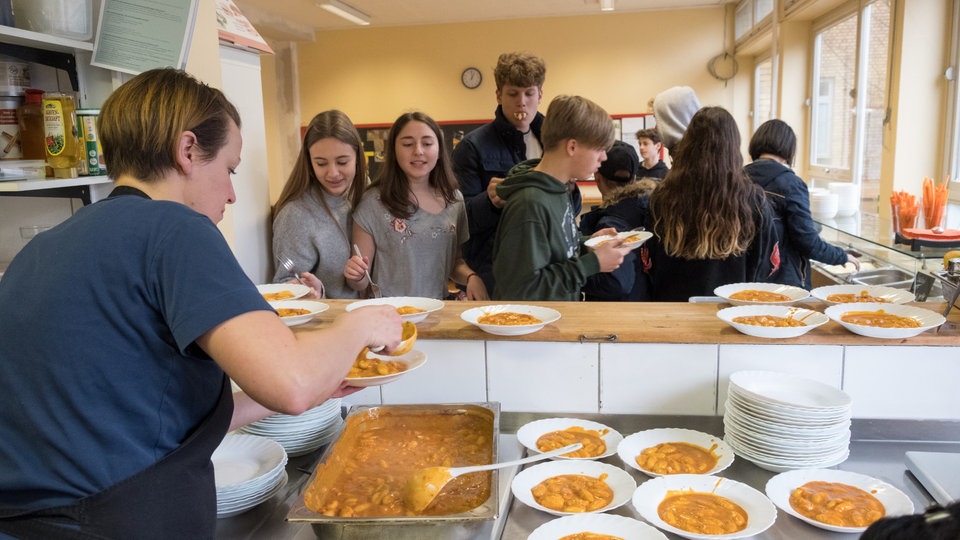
877, 449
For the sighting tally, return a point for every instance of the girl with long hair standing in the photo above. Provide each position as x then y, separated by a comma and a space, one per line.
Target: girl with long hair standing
712, 225
411, 222
312, 225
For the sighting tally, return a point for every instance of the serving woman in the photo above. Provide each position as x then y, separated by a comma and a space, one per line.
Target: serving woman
122, 323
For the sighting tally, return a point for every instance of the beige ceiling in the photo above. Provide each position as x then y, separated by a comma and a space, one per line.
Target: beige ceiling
298, 19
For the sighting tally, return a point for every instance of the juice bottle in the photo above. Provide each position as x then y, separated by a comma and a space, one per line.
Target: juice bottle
30, 118
60, 133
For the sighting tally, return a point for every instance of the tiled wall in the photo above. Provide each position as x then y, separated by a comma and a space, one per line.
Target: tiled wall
899, 382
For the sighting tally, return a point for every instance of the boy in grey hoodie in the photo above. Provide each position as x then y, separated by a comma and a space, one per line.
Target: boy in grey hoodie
538, 253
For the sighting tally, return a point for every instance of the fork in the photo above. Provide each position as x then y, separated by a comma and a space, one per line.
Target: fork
287, 265
374, 288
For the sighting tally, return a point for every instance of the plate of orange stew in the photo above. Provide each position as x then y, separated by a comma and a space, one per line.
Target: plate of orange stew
599, 440
601, 526
703, 507
886, 321
742, 294
411, 308
835, 500
571, 487
772, 321
295, 312
510, 319
370, 369
668, 451
849, 294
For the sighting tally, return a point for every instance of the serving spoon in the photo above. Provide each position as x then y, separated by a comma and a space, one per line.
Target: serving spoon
423, 487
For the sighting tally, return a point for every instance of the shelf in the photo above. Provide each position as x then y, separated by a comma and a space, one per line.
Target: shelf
16, 186
46, 42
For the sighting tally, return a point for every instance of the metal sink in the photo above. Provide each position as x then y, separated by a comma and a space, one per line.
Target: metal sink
888, 277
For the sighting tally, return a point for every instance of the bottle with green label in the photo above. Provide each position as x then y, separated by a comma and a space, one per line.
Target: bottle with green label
60, 133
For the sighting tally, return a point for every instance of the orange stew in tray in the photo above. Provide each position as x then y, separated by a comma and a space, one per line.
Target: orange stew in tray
379, 450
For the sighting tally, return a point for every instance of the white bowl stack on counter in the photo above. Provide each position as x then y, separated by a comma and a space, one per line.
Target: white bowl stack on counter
848, 197
824, 204
248, 471
782, 422
303, 433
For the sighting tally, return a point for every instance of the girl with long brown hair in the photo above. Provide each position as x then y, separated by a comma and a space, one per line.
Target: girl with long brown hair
411, 222
711, 224
312, 222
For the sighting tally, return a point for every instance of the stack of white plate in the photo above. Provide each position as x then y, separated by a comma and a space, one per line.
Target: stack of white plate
782, 422
248, 470
303, 433
824, 204
848, 195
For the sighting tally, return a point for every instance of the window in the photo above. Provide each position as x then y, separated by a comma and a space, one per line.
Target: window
762, 91
749, 14
848, 106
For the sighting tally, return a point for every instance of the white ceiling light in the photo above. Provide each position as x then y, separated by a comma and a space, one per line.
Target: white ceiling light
346, 11
606, 5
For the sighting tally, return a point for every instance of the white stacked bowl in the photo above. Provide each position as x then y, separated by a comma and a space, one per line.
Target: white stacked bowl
848, 194
782, 422
824, 204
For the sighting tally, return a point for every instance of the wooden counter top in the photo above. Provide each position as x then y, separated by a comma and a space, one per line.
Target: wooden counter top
649, 322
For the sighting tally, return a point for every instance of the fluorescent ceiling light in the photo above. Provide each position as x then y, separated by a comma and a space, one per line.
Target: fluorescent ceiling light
346, 11
606, 5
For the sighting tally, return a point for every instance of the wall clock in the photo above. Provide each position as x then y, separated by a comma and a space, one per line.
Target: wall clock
471, 77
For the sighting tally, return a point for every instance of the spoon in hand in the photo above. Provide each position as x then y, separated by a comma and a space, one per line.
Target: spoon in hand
425, 484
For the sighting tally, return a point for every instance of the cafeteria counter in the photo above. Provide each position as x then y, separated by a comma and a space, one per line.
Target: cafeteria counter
877, 449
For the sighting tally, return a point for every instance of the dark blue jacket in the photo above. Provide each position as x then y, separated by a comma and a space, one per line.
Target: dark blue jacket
799, 236
489, 151
626, 209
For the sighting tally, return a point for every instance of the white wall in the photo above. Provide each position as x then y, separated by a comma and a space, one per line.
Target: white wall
246, 224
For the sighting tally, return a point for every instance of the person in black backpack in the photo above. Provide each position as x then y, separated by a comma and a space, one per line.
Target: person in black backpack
772, 149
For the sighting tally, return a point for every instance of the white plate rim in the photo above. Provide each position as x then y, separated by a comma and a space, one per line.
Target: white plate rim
316, 307
811, 319
795, 293
296, 289
779, 487
644, 236
928, 319
545, 314
633, 444
619, 480
612, 524
429, 305
414, 359
894, 295
528, 434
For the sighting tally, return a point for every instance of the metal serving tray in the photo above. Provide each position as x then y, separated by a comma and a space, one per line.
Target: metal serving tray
448, 526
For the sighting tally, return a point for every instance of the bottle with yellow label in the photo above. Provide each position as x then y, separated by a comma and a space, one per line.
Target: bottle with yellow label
60, 133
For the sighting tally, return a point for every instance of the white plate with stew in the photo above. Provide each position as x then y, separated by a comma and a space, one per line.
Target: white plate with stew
602, 439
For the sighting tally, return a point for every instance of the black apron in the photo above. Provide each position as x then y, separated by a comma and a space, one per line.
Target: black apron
173, 498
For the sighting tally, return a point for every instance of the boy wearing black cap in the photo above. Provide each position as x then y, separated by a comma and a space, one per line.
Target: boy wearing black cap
624, 207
